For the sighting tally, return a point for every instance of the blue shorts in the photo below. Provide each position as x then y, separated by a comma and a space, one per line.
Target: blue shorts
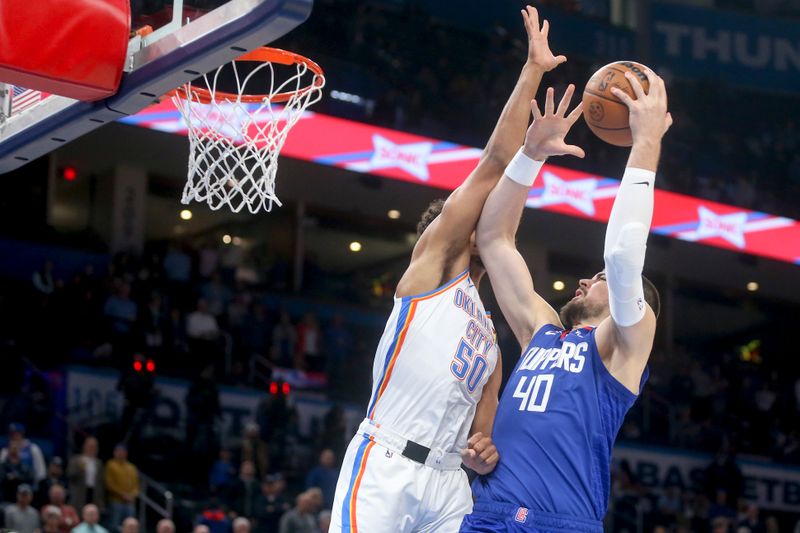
492, 517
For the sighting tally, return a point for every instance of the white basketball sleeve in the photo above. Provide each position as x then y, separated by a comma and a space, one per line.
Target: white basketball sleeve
626, 243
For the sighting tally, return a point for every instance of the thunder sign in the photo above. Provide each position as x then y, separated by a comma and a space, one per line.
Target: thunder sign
402, 156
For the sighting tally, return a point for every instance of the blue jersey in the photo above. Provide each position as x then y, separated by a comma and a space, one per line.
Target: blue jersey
555, 427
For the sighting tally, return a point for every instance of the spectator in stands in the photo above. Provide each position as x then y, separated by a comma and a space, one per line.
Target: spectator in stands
723, 474
121, 312
217, 295
244, 491
720, 525
284, 337
177, 265
122, 485
241, 525
153, 323
317, 500
255, 332
203, 334
55, 476
165, 525
201, 528
91, 520
13, 472
308, 340
137, 388
130, 525
324, 476
334, 430
324, 521
222, 473
21, 517
202, 411
69, 516
43, 279
271, 504
29, 452
301, 518
338, 348
51, 519
86, 476
720, 507
201, 324
255, 449
751, 523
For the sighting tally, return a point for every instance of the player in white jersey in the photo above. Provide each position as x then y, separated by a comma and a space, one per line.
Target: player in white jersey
437, 369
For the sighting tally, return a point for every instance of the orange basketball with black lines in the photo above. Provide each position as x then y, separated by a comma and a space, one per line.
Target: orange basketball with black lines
605, 114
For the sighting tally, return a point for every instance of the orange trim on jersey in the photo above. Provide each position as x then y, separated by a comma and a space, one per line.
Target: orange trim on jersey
413, 300
390, 367
356, 485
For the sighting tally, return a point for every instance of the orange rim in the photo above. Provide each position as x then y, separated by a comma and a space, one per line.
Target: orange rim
265, 55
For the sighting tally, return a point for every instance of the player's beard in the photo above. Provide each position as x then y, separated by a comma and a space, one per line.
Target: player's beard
578, 311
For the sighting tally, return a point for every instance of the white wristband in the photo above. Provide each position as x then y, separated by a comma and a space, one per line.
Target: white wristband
523, 169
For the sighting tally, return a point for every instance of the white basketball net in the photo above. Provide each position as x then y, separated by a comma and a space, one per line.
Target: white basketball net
234, 145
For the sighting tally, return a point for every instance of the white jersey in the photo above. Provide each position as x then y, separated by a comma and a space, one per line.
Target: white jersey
436, 354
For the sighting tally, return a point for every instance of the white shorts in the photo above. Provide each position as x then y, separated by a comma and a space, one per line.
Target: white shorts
380, 491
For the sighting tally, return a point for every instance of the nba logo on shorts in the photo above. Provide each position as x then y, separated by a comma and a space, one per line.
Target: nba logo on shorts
522, 515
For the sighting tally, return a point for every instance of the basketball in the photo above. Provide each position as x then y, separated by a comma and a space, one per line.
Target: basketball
605, 114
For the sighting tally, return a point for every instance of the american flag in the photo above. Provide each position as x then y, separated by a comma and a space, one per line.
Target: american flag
22, 98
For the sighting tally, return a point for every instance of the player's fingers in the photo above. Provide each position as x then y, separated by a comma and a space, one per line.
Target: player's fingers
474, 438
638, 90
526, 22
533, 15
623, 96
656, 83
467, 454
571, 149
537, 114
493, 459
487, 453
545, 28
563, 105
669, 120
561, 59
549, 104
481, 445
575, 114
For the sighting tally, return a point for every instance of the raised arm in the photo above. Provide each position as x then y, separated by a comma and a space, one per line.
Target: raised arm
512, 284
443, 249
626, 337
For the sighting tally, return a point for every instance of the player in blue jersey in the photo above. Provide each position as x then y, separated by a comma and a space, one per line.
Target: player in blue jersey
574, 383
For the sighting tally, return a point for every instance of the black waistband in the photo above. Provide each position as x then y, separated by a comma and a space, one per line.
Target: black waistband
416, 452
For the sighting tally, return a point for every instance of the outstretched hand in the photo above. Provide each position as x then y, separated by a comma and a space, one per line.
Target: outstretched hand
649, 118
539, 53
546, 135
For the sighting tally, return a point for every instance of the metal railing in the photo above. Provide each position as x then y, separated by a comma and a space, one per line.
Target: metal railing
163, 507
260, 370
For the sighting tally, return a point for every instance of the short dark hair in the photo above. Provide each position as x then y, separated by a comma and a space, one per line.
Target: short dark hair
651, 295
430, 214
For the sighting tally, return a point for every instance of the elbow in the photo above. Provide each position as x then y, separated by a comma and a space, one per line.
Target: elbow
496, 159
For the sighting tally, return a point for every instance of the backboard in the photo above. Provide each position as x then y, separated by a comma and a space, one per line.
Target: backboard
188, 39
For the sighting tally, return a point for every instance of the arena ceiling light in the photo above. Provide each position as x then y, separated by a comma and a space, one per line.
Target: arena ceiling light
186, 214
227, 239
752, 286
558, 285
394, 214
355, 246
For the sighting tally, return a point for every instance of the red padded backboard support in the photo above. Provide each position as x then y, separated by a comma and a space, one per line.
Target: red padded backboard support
73, 48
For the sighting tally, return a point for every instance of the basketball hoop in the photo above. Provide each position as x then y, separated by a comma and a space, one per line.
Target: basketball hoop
235, 138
